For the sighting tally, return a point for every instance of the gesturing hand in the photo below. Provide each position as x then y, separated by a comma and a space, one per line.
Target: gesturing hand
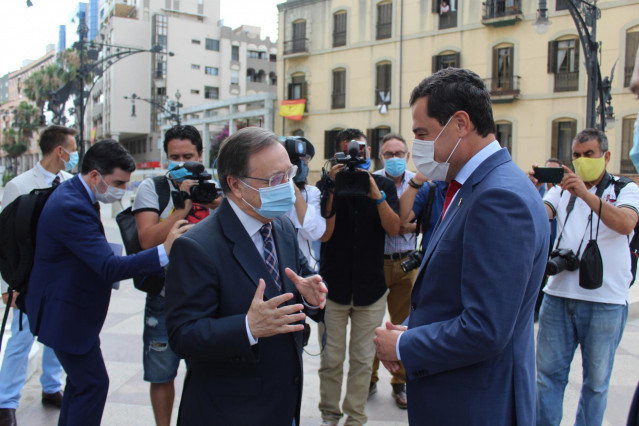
311, 288
266, 319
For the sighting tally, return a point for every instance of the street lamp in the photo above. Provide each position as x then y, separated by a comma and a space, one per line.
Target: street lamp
171, 108
585, 16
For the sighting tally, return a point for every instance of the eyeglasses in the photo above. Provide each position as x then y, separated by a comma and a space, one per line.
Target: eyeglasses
278, 178
398, 154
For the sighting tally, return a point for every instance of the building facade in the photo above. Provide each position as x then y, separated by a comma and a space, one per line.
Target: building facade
356, 63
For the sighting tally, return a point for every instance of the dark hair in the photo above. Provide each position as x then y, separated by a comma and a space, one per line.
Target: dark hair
589, 134
390, 136
235, 151
555, 160
54, 136
456, 89
349, 135
183, 132
105, 156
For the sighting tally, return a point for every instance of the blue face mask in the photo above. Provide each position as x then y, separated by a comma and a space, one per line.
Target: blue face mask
366, 165
302, 172
180, 174
74, 157
276, 200
395, 167
634, 151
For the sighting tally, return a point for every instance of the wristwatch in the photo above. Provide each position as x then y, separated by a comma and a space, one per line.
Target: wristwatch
414, 184
381, 200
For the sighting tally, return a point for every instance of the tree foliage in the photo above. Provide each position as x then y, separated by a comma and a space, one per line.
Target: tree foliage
16, 138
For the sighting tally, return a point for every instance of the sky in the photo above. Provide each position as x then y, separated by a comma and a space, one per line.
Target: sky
26, 31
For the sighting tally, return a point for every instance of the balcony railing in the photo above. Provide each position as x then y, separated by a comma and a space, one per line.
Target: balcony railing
298, 45
384, 30
566, 81
501, 12
503, 89
338, 100
448, 20
339, 38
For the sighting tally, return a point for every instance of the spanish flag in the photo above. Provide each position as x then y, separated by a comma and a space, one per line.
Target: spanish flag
293, 109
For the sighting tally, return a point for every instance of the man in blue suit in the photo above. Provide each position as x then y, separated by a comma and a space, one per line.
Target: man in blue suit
74, 268
226, 279
468, 349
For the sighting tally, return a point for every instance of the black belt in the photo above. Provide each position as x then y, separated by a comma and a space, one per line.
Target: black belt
397, 256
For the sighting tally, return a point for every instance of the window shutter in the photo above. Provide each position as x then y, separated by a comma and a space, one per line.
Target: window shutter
577, 48
330, 145
457, 59
435, 63
435, 6
554, 143
495, 70
552, 57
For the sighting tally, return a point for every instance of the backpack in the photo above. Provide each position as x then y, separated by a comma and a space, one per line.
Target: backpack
620, 183
151, 284
18, 226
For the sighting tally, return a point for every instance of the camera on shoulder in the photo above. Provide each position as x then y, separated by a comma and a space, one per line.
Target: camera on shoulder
351, 182
560, 260
205, 191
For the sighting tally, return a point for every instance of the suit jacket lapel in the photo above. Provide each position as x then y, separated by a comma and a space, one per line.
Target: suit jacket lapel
244, 249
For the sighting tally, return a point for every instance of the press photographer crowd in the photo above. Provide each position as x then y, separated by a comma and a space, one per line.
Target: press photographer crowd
466, 254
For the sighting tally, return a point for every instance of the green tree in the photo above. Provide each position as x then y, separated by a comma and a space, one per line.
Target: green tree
16, 138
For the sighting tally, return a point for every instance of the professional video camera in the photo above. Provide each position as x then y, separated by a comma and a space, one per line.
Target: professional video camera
561, 259
351, 182
204, 192
414, 261
297, 147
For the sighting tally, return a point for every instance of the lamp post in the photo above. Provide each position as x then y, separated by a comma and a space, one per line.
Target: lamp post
171, 108
584, 15
90, 50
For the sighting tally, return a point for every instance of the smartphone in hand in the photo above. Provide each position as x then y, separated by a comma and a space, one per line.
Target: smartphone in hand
549, 174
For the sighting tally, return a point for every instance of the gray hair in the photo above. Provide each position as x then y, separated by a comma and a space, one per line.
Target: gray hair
235, 151
590, 134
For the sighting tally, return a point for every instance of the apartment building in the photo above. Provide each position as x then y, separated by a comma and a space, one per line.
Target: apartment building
356, 63
201, 61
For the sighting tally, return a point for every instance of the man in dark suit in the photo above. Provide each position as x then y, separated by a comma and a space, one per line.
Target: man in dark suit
468, 349
74, 268
227, 277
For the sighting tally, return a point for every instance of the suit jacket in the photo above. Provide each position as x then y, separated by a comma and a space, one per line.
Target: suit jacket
212, 277
24, 184
469, 348
74, 266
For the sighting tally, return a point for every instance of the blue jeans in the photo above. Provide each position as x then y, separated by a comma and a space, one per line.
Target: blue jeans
563, 324
159, 361
14, 365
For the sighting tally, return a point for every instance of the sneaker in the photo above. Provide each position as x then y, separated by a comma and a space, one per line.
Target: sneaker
372, 389
399, 395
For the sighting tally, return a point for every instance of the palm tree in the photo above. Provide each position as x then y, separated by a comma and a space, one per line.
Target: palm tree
16, 138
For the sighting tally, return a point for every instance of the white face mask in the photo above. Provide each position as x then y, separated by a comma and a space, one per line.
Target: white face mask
111, 195
424, 157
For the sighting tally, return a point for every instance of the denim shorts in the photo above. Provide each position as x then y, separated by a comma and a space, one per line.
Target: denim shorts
160, 362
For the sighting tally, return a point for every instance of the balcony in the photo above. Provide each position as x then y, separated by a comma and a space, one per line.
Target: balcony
295, 46
448, 20
567, 81
503, 89
501, 13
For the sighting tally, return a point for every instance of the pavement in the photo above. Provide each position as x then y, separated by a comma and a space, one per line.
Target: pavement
128, 400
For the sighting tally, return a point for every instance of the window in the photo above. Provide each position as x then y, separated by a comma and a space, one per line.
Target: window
211, 92
383, 84
195, 67
297, 87
272, 78
298, 132
505, 135
195, 41
632, 43
235, 53
330, 144
563, 61
627, 132
299, 37
384, 20
272, 57
564, 131
338, 98
212, 44
375, 137
211, 70
250, 75
235, 77
339, 29
195, 92
161, 91
502, 78
561, 5
445, 60
254, 54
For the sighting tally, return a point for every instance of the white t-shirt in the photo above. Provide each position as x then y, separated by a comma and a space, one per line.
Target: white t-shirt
615, 253
147, 199
314, 224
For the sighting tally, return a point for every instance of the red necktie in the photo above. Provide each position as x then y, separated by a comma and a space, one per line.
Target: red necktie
453, 187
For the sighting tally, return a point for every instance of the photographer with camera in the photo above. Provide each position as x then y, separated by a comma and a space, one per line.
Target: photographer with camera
586, 298
352, 264
185, 180
305, 214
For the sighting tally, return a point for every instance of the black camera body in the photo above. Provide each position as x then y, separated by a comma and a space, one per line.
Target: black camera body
205, 191
351, 182
560, 260
414, 261
298, 147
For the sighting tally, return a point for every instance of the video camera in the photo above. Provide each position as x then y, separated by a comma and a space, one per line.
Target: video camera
351, 182
204, 192
298, 147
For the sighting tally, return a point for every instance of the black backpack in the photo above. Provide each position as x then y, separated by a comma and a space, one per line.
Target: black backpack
151, 284
620, 183
18, 225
